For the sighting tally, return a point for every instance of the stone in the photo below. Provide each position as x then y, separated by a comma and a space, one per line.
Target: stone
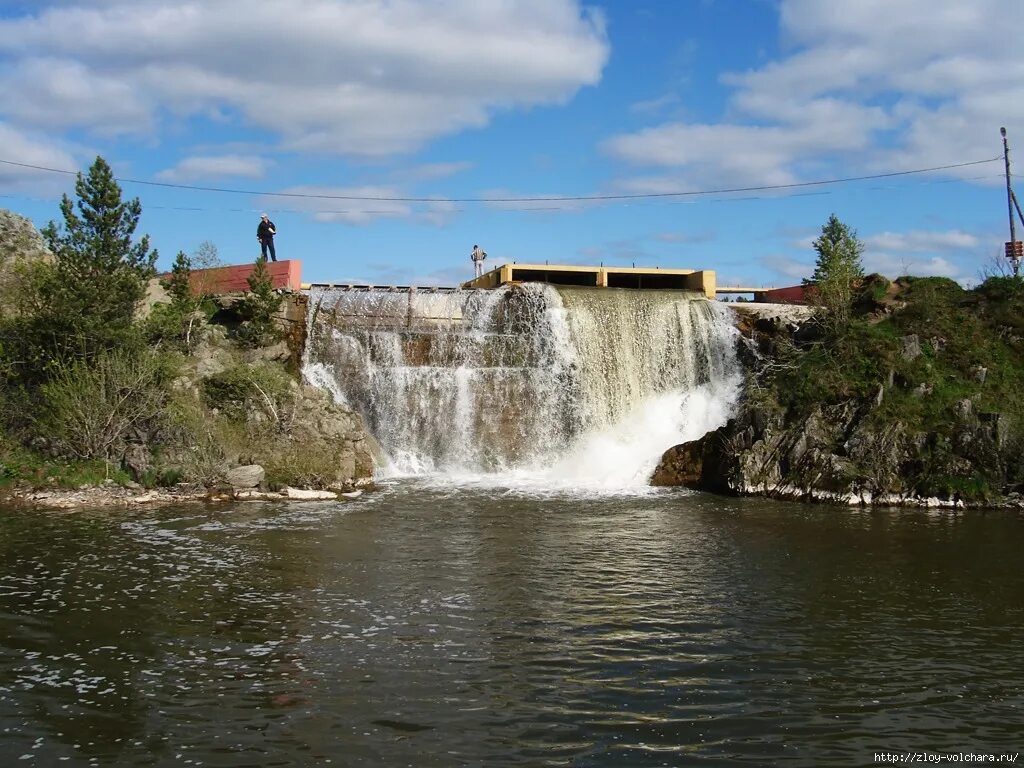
246, 476
923, 390
256, 496
308, 493
910, 347
278, 352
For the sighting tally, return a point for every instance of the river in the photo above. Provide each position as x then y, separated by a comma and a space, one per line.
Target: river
430, 625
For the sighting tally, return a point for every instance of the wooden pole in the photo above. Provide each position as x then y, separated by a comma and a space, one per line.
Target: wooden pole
1009, 204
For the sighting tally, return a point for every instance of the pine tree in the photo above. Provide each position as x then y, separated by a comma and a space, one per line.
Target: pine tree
837, 268
86, 302
259, 307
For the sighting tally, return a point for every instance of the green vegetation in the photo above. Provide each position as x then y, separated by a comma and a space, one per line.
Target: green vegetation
180, 323
83, 303
940, 364
837, 268
259, 308
74, 312
21, 466
96, 386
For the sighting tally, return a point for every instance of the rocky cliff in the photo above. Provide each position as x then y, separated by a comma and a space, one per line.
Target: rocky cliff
20, 241
913, 404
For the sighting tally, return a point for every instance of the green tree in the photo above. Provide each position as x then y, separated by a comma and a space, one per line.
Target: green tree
182, 321
177, 283
837, 268
259, 308
85, 302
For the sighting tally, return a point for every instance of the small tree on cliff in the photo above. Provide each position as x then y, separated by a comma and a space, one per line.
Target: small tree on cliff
181, 323
259, 307
85, 301
837, 267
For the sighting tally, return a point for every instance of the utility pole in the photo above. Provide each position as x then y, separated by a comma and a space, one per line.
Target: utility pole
1012, 249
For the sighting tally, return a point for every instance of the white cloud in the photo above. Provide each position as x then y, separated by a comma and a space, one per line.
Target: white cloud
355, 77
215, 167
917, 241
652, 106
788, 267
28, 149
877, 85
704, 236
351, 211
356, 205
433, 171
895, 265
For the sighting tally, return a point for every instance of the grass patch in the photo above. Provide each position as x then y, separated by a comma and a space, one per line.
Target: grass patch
23, 468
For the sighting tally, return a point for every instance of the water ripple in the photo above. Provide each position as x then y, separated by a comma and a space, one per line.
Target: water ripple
440, 627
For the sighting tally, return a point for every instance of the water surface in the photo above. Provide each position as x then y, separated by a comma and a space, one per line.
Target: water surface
428, 626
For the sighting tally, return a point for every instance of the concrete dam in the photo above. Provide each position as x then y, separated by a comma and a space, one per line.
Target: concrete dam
526, 381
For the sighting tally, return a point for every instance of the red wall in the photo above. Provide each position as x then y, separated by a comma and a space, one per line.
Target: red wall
794, 294
283, 274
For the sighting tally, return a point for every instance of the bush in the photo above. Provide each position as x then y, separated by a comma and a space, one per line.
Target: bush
314, 466
250, 392
89, 410
999, 289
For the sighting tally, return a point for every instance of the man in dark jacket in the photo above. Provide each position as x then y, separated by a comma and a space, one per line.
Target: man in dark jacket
265, 234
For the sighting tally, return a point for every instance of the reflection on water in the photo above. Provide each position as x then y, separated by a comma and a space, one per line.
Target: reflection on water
432, 627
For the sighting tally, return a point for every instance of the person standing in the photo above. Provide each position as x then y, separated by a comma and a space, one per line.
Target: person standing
478, 255
265, 234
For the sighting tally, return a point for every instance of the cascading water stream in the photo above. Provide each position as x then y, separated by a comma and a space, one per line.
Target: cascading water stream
527, 383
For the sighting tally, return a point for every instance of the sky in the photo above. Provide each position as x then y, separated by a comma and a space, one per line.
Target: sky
386, 137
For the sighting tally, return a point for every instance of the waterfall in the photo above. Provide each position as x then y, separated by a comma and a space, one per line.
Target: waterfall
571, 385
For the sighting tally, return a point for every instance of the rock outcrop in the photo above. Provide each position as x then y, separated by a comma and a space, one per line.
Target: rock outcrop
901, 440
258, 414
840, 454
20, 241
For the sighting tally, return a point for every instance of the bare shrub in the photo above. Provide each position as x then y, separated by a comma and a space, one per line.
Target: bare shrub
91, 409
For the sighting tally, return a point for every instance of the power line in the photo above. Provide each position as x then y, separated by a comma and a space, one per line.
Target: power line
554, 198
508, 208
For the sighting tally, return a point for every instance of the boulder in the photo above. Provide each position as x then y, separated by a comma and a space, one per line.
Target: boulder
681, 465
246, 476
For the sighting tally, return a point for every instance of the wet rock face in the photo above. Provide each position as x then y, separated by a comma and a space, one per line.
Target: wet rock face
320, 421
681, 465
838, 454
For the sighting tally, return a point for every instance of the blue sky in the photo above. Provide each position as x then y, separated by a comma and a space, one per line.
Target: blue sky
456, 99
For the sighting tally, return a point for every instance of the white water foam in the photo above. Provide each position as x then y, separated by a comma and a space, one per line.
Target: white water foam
529, 388
613, 460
